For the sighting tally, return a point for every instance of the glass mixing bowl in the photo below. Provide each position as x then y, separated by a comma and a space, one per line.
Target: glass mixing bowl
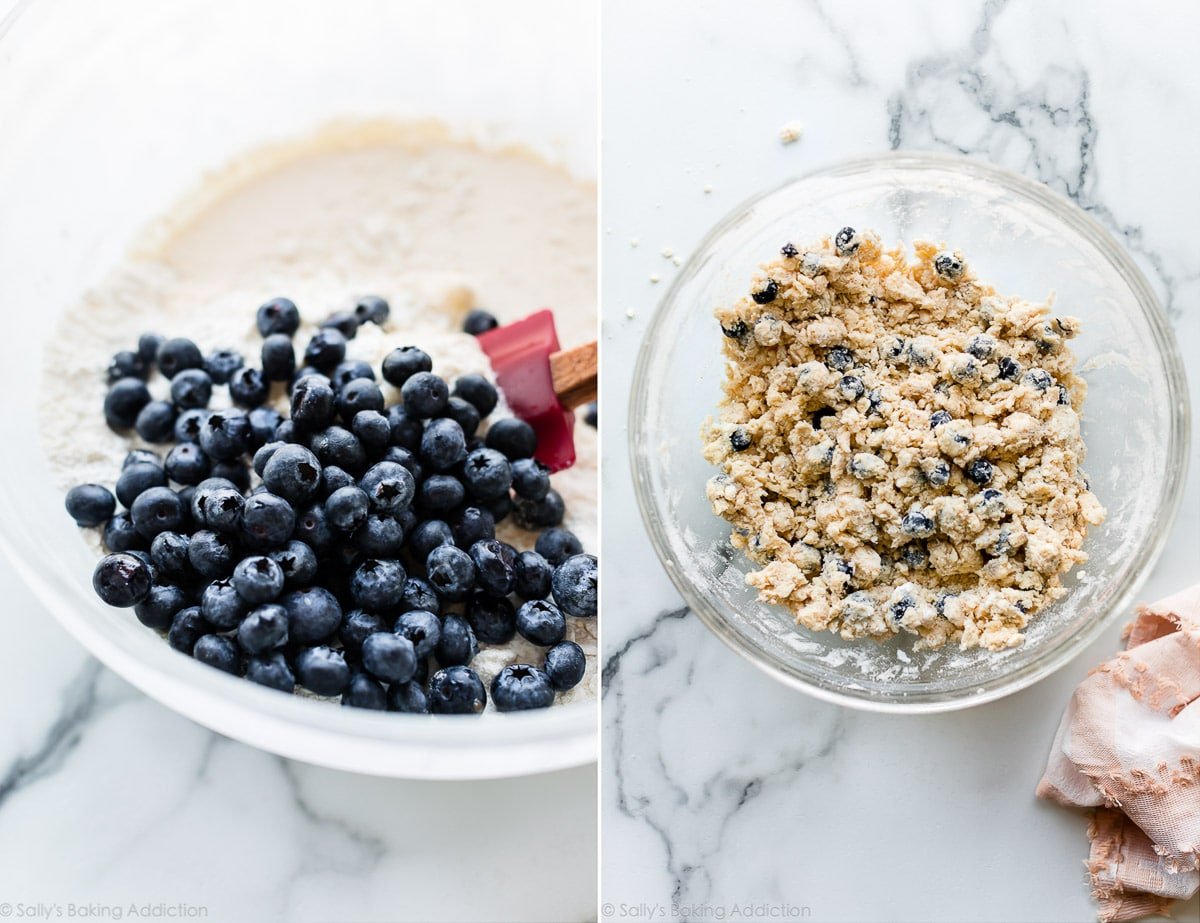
1025, 240
110, 113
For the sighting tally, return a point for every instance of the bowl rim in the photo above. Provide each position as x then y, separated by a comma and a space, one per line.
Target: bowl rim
412, 747
1170, 497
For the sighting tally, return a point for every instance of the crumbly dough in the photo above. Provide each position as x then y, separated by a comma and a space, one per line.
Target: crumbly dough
899, 445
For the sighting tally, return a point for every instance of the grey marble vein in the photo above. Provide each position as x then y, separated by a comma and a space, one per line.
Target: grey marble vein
80, 703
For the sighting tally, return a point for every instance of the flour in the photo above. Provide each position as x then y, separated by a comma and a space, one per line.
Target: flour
434, 226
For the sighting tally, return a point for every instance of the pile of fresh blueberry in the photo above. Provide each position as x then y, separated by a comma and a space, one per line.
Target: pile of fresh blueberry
362, 561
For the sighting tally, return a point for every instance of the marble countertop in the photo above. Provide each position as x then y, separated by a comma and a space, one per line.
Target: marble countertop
719, 786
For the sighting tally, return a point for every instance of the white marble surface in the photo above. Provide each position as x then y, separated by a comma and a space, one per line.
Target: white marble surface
720, 787
108, 799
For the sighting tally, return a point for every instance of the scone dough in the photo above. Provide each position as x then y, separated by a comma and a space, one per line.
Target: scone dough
899, 445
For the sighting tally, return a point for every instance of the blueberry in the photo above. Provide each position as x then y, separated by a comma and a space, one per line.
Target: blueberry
90, 504
264, 421
287, 432
293, 473
403, 363
939, 474
389, 487
520, 686
264, 629
372, 429
847, 241
939, 418
590, 415
472, 524
124, 401
736, 330
363, 691
122, 580
337, 446
141, 457
381, 536
322, 670
235, 471
450, 572
478, 392
371, 309
444, 445
914, 556
225, 435
271, 670
1038, 378
456, 690
479, 321
312, 528
540, 514
344, 322
312, 403
494, 566
210, 554
851, 387
222, 605
418, 595
157, 509
533, 574
156, 421
263, 454
278, 357
376, 585
169, 554
258, 579
492, 618
409, 698
574, 585
249, 388
427, 536
839, 358
557, 544
980, 472
530, 479
789, 251
216, 651
187, 626
515, 438
457, 645
565, 665
298, 562
425, 395
356, 395
334, 478
356, 625
981, 346
541, 622
158, 609
136, 479
740, 439
346, 508
1009, 368
279, 315
221, 364
223, 509
901, 606
500, 507
389, 657
178, 355
1064, 396
313, 614
440, 493
917, 523
406, 429
422, 628
947, 265
187, 464
768, 293
188, 425
120, 535
148, 347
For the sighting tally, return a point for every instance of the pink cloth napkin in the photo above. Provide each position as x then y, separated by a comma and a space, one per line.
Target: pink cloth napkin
1129, 747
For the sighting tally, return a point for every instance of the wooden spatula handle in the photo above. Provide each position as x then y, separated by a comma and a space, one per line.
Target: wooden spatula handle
574, 374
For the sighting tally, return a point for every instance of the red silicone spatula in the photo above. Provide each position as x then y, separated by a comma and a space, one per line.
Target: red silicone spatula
543, 383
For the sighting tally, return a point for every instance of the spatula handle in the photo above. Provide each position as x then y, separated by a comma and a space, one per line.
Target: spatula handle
574, 375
